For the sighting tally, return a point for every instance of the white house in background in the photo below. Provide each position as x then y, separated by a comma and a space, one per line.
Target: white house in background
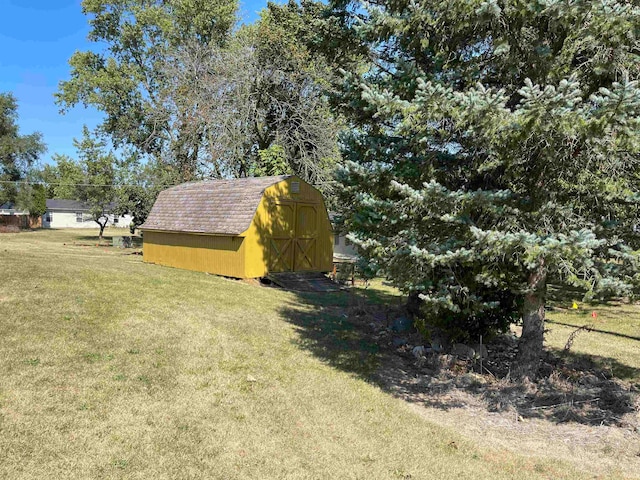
343, 249
74, 214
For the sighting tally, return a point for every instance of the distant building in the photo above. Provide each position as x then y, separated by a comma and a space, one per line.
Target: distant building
343, 249
62, 213
11, 215
10, 209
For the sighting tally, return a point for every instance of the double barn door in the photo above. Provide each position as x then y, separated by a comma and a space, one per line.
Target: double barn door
293, 237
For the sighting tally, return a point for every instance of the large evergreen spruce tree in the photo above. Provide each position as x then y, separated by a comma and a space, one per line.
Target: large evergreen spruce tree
495, 151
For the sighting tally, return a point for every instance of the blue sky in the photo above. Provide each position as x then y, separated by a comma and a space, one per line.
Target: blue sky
37, 38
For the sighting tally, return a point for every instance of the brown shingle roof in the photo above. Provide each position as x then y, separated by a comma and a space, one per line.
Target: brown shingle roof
213, 206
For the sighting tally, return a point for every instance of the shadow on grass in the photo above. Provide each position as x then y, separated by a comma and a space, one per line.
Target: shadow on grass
574, 387
326, 330
605, 367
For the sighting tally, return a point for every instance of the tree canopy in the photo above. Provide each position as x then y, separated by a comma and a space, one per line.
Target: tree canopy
125, 80
495, 150
260, 97
18, 152
95, 178
61, 177
99, 188
197, 97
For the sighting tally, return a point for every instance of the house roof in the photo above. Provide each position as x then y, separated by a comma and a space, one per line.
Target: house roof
68, 205
12, 209
213, 206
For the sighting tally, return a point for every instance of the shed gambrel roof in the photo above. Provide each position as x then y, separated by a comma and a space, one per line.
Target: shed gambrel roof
224, 207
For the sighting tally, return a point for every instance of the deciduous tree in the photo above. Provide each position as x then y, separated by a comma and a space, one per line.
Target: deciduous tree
61, 177
98, 189
263, 92
17, 152
140, 182
124, 80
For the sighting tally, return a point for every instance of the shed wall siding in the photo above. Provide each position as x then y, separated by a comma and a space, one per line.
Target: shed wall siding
221, 255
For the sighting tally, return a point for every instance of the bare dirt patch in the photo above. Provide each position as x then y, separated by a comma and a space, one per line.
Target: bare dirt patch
576, 412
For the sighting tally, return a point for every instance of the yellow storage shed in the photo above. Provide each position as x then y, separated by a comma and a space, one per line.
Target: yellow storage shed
243, 228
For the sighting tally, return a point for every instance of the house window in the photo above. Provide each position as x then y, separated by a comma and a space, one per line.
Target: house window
49, 217
336, 240
79, 217
115, 220
295, 187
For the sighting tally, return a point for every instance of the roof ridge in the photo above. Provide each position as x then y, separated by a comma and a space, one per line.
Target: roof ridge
270, 178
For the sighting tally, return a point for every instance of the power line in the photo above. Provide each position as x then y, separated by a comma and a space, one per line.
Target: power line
27, 182
24, 182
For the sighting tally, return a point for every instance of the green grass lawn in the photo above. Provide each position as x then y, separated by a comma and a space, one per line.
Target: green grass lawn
112, 368
612, 342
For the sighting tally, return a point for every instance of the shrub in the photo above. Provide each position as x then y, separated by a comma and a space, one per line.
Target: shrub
9, 229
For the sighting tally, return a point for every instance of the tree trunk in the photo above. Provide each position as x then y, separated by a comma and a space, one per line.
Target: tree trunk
101, 230
414, 304
531, 341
